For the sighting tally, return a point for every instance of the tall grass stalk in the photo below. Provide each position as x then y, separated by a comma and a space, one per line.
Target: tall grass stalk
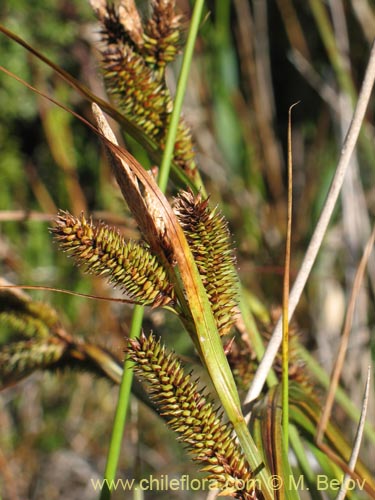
285, 315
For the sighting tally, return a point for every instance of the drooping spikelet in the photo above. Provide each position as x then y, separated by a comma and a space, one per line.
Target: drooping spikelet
133, 61
104, 251
208, 237
25, 323
26, 340
33, 338
19, 359
31, 319
192, 417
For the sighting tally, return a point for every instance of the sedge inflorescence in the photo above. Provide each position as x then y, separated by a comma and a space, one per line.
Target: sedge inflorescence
104, 251
191, 416
134, 58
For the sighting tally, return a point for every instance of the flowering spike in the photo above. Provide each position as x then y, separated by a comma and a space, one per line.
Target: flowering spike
103, 251
208, 237
134, 57
191, 416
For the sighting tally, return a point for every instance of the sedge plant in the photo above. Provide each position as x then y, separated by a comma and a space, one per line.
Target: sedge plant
184, 263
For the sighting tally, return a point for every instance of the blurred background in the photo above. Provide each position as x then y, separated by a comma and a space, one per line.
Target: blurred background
254, 59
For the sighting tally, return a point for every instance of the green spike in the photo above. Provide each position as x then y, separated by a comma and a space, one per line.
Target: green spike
208, 236
103, 251
133, 69
189, 413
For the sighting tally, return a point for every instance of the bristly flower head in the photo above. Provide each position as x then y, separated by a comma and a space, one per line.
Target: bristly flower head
192, 417
141, 275
104, 251
134, 56
208, 237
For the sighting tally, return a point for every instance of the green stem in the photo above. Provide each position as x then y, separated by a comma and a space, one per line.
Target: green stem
303, 462
179, 97
285, 389
254, 335
121, 411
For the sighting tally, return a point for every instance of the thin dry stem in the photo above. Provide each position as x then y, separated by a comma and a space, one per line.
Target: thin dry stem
358, 438
344, 339
4, 284
341, 463
293, 27
286, 286
23, 215
355, 217
321, 227
366, 18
